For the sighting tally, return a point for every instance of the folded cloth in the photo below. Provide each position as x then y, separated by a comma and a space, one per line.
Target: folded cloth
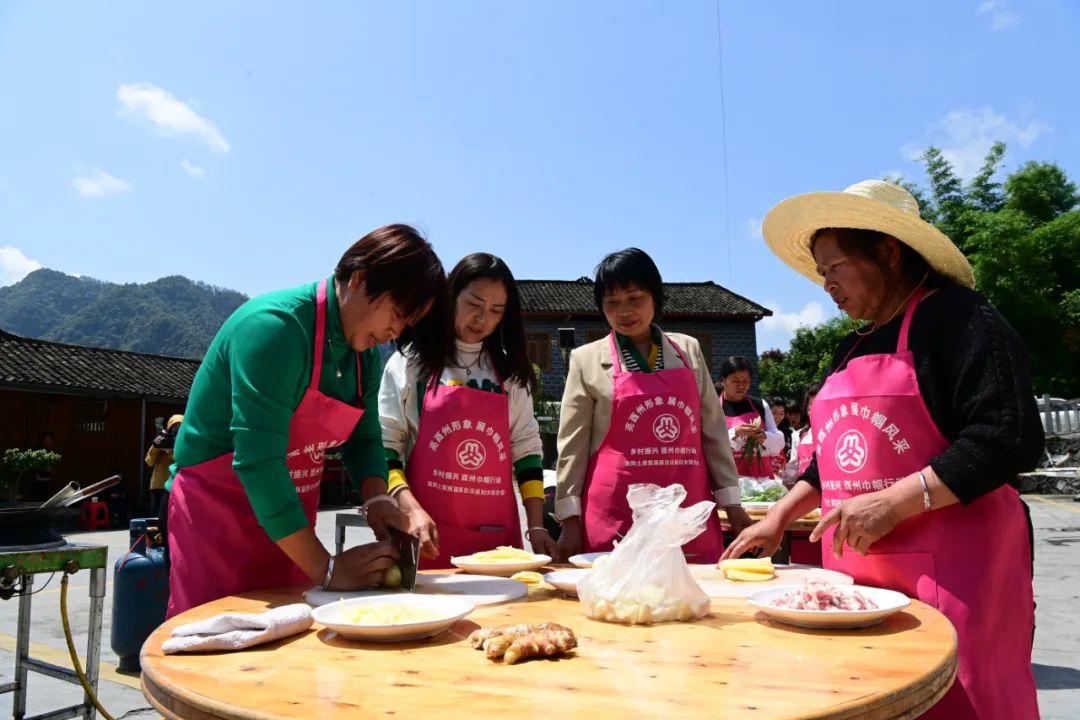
236, 631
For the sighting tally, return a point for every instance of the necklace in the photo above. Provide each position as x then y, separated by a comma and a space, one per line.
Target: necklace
337, 368
873, 327
468, 368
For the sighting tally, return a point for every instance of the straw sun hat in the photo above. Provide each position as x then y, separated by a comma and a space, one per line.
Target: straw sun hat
867, 205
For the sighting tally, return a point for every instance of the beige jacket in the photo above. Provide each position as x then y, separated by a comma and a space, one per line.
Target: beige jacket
586, 415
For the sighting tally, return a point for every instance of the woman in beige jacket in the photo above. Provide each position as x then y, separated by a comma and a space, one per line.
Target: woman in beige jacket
653, 418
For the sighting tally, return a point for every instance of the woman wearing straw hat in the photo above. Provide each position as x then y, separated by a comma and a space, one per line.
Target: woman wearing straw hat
926, 413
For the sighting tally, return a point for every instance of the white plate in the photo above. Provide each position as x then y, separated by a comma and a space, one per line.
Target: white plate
586, 560
712, 580
888, 602
504, 568
757, 505
477, 589
566, 580
449, 609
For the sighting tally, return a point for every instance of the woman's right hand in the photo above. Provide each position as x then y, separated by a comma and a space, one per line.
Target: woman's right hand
747, 430
571, 538
765, 535
362, 567
422, 526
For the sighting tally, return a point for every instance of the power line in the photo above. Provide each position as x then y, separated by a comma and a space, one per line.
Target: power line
723, 140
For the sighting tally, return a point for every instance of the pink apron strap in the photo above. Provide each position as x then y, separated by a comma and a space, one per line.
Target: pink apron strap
901, 342
616, 359
678, 351
320, 335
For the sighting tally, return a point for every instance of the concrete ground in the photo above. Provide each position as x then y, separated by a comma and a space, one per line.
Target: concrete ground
1056, 660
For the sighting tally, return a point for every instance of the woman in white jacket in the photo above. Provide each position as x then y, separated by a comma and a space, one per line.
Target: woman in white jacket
458, 444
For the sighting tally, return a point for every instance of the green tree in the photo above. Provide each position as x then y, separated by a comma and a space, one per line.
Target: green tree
984, 192
1041, 191
788, 374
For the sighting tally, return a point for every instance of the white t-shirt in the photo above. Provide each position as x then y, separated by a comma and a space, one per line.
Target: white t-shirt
398, 401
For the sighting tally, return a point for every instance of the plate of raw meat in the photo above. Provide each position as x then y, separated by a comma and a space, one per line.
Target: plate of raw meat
816, 604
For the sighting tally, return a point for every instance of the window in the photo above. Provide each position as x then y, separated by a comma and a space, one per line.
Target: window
91, 416
538, 347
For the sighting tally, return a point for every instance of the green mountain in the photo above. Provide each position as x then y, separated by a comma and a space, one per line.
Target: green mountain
171, 316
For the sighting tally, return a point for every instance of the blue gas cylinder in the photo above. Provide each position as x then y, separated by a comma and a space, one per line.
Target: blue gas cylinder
140, 592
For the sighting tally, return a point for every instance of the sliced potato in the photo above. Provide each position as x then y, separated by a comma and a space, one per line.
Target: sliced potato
528, 577
749, 564
743, 576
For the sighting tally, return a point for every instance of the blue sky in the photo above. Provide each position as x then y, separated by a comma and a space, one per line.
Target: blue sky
247, 144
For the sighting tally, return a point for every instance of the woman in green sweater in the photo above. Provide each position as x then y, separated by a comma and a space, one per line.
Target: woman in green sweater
288, 377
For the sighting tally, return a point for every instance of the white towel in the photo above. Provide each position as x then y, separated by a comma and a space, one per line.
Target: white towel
236, 631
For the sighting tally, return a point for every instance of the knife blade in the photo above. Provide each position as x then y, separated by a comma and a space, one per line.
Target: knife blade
408, 547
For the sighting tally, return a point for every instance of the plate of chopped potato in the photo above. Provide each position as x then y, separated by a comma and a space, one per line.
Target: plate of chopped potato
503, 561
392, 618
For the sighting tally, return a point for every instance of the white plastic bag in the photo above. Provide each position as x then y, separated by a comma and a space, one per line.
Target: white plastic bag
761, 489
646, 579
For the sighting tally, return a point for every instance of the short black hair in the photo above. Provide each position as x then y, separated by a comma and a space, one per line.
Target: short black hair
628, 267
734, 364
774, 401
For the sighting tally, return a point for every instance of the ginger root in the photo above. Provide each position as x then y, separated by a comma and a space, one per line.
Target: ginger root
520, 642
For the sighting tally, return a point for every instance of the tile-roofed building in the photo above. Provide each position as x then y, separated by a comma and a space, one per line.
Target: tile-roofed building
682, 300
721, 320
98, 408
29, 364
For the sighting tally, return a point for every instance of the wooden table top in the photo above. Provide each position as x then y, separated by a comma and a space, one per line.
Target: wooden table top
733, 664
803, 524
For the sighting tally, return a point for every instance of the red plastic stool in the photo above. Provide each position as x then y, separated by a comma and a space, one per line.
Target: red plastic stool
93, 515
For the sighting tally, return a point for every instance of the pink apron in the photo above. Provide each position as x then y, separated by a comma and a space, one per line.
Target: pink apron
971, 562
461, 473
804, 451
766, 466
654, 437
216, 545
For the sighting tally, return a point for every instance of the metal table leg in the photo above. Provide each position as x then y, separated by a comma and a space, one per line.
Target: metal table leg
93, 640
22, 647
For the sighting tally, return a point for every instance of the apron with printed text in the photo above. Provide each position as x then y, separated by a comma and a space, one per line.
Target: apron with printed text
216, 545
972, 562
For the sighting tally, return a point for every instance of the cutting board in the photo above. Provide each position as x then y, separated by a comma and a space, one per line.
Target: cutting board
713, 582
478, 589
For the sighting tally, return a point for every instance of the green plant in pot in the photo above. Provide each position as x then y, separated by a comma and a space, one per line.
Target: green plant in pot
17, 464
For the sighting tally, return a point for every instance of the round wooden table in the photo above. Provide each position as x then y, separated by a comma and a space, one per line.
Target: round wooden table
733, 664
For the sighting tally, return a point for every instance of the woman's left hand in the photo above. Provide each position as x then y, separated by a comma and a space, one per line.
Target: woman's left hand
381, 516
544, 544
861, 521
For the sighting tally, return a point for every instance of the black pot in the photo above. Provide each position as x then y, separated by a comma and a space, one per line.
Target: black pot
27, 524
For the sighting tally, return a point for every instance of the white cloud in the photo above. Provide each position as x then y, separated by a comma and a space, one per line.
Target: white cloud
171, 116
99, 184
1001, 18
778, 329
14, 265
965, 135
193, 170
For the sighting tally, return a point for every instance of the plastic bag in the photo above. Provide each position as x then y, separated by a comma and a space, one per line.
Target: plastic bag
761, 489
646, 579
